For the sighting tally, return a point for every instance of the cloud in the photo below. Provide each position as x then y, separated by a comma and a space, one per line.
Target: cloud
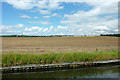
61, 7
80, 30
41, 22
41, 6
101, 32
28, 29
101, 28
21, 4
10, 30
116, 30
61, 34
30, 4
53, 5
7, 27
54, 14
46, 16
67, 22
25, 33
25, 16
44, 12
38, 29
33, 28
36, 17
100, 19
61, 27
19, 26
51, 28
46, 29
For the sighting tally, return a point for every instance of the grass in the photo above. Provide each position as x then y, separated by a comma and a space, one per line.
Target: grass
13, 59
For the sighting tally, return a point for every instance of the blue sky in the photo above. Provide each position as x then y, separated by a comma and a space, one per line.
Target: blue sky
42, 17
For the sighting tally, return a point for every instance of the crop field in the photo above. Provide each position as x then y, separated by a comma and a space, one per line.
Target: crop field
42, 50
39, 45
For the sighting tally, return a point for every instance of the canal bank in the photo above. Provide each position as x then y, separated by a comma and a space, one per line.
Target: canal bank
50, 67
103, 72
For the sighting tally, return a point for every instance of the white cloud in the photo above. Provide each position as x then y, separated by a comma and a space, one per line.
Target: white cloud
61, 27
36, 17
80, 30
67, 22
25, 33
42, 6
116, 30
33, 28
44, 22
40, 29
61, 7
12, 26
51, 28
9, 29
101, 28
101, 32
54, 14
41, 22
53, 5
19, 26
28, 29
44, 12
21, 4
92, 21
25, 16
46, 29
45, 4
103, 8
46, 16
81, 22
61, 34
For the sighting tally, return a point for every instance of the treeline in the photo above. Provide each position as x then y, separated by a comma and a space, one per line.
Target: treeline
34, 36
115, 35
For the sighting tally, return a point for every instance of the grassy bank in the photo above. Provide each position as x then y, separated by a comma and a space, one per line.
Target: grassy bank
12, 59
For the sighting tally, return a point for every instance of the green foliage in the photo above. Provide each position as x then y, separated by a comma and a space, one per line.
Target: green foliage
12, 58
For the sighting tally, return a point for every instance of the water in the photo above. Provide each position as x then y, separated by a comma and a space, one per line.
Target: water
106, 71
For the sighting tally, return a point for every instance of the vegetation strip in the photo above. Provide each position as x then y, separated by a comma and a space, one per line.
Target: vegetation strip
16, 59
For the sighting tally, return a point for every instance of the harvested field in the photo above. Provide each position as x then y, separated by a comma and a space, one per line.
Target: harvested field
59, 44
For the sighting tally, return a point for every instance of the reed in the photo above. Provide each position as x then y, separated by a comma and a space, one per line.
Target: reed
14, 59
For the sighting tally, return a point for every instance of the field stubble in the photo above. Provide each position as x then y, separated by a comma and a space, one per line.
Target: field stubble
59, 44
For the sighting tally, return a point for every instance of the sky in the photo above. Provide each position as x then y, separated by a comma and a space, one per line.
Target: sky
51, 17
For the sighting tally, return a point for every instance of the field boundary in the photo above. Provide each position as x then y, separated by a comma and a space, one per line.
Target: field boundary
47, 67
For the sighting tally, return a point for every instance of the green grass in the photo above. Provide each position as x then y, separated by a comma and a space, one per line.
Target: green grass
13, 59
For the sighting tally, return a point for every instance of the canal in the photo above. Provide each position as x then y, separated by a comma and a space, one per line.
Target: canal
104, 71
